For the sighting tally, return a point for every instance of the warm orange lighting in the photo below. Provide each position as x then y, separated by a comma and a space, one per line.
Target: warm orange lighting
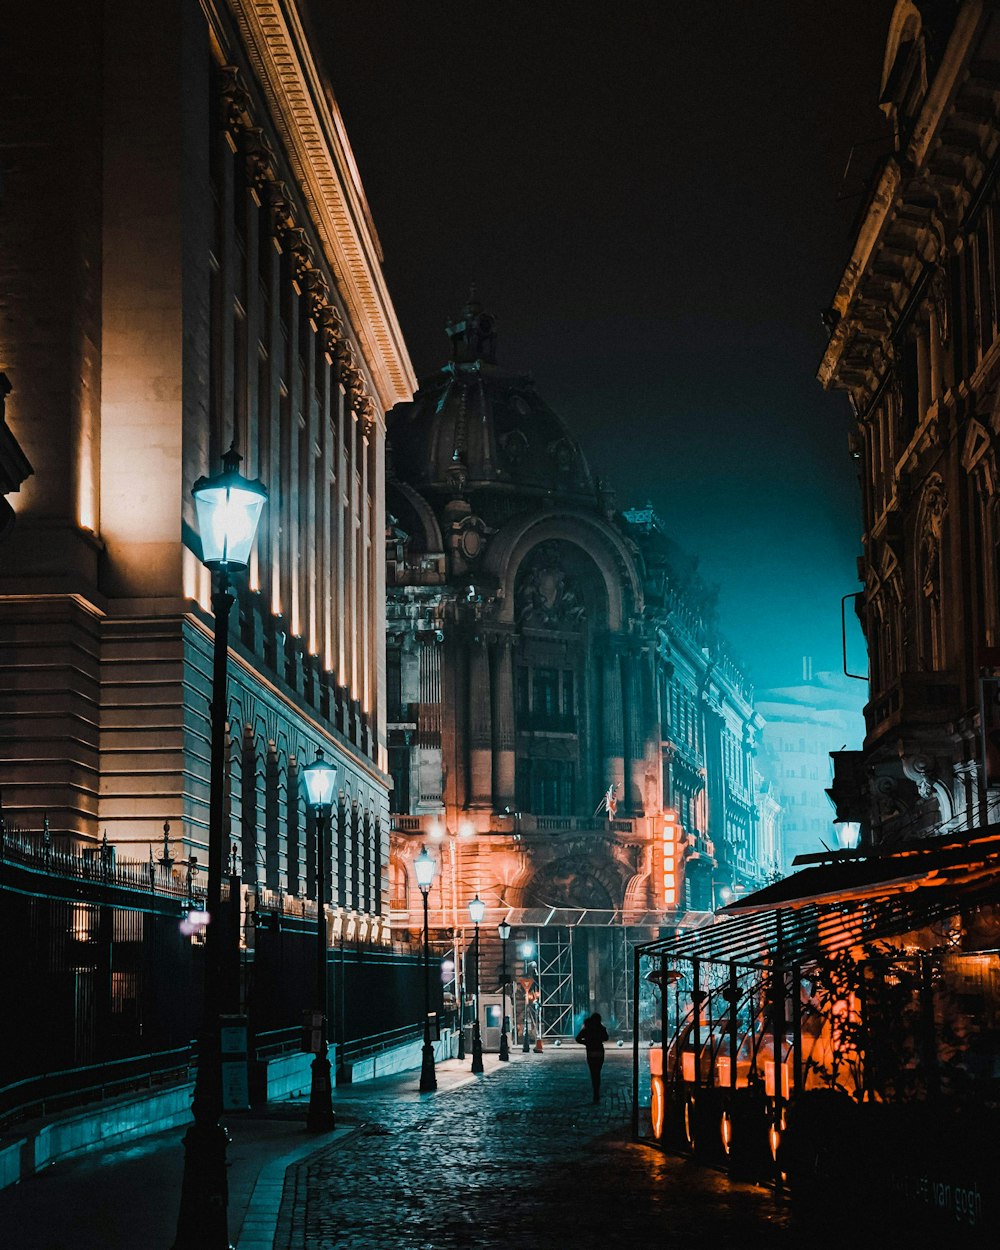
786, 1078
726, 1130
658, 1107
667, 855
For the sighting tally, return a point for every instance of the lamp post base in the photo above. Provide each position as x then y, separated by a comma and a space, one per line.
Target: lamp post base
203, 1220
320, 1118
428, 1077
504, 1047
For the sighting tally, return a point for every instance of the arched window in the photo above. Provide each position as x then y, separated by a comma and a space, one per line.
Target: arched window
398, 885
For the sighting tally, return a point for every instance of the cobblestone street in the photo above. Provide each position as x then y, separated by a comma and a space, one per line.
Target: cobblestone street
519, 1158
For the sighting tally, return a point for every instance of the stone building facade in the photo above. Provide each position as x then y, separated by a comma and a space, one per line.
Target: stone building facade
808, 721
545, 650
191, 262
14, 466
915, 343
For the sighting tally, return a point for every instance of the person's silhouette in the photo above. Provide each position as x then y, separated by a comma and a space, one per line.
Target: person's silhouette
593, 1035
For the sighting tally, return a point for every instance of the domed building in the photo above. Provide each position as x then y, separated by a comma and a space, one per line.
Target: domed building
566, 733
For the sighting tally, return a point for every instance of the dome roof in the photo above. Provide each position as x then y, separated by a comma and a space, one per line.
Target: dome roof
474, 425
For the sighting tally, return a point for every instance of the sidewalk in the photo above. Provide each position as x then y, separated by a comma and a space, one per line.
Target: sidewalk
126, 1198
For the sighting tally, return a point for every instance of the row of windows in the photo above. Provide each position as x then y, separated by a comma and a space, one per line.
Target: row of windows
277, 834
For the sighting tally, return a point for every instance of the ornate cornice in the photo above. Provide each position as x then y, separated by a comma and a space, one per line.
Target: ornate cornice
916, 212
308, 122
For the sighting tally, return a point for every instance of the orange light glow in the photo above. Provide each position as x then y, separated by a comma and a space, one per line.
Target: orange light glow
667, 878
658, 1107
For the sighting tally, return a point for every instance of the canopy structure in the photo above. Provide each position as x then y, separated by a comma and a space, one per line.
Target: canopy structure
571, 917
847, 900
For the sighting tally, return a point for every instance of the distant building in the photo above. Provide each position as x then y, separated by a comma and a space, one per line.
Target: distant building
547, 653
805, 723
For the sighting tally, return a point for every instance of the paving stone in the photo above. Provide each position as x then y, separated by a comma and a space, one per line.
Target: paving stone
518, 1158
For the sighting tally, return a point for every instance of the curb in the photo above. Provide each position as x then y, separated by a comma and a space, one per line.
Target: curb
260, 1224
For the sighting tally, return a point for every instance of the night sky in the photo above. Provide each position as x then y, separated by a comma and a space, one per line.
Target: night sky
653, 204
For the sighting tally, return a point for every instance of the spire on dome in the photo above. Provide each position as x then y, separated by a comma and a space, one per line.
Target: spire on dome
473, 333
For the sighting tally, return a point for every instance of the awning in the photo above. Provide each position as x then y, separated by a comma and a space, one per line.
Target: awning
597, 917
849, 900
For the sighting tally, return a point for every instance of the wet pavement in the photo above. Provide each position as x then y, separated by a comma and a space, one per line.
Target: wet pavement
517, 1158
520, 1158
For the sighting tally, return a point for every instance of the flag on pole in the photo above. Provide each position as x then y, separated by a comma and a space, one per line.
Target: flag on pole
609, 801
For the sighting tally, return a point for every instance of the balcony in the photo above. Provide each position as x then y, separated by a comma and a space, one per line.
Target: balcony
916, 698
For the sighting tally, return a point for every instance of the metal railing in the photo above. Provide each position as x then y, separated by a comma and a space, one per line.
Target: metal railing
275, 1042
376, 1043
38, 852
78, 1087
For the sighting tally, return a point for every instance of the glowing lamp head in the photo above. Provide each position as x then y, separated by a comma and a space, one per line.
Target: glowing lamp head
424, 866
319, 780
527, 950
848, 833
503, 928
466, 828
477, 909
228, 507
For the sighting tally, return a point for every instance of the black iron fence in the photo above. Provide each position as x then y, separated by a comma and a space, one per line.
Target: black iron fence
103, 972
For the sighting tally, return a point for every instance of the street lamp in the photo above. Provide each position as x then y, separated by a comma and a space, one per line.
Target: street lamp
438, 830
319, 780
477, 910
503, 928
424, 866
527, 950
228, 508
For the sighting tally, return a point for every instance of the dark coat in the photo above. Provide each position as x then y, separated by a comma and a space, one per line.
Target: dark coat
593, 1035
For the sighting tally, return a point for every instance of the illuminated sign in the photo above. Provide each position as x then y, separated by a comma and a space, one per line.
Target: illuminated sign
667, 870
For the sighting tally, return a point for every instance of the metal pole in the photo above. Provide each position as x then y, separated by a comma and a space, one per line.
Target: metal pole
525, 1047
203, 1223
635, 1040
477, 1041
428, 1079
504, 1044
320, 1118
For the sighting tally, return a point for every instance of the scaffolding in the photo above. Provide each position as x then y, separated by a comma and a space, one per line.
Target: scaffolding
555, 982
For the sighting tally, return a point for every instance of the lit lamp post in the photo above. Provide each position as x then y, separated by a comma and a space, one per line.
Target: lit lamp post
477, 910
319, 779
465, 830
424, 866
527, 950
228, 508
503, 928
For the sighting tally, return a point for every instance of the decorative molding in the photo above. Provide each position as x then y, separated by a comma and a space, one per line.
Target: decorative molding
314, 137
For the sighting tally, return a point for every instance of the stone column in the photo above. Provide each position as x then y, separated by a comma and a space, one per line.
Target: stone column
613, 725
351, 576
364, 690
480, 725
342, 535
503, 723
635, 754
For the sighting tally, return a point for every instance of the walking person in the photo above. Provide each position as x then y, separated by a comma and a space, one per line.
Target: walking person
593, 1035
